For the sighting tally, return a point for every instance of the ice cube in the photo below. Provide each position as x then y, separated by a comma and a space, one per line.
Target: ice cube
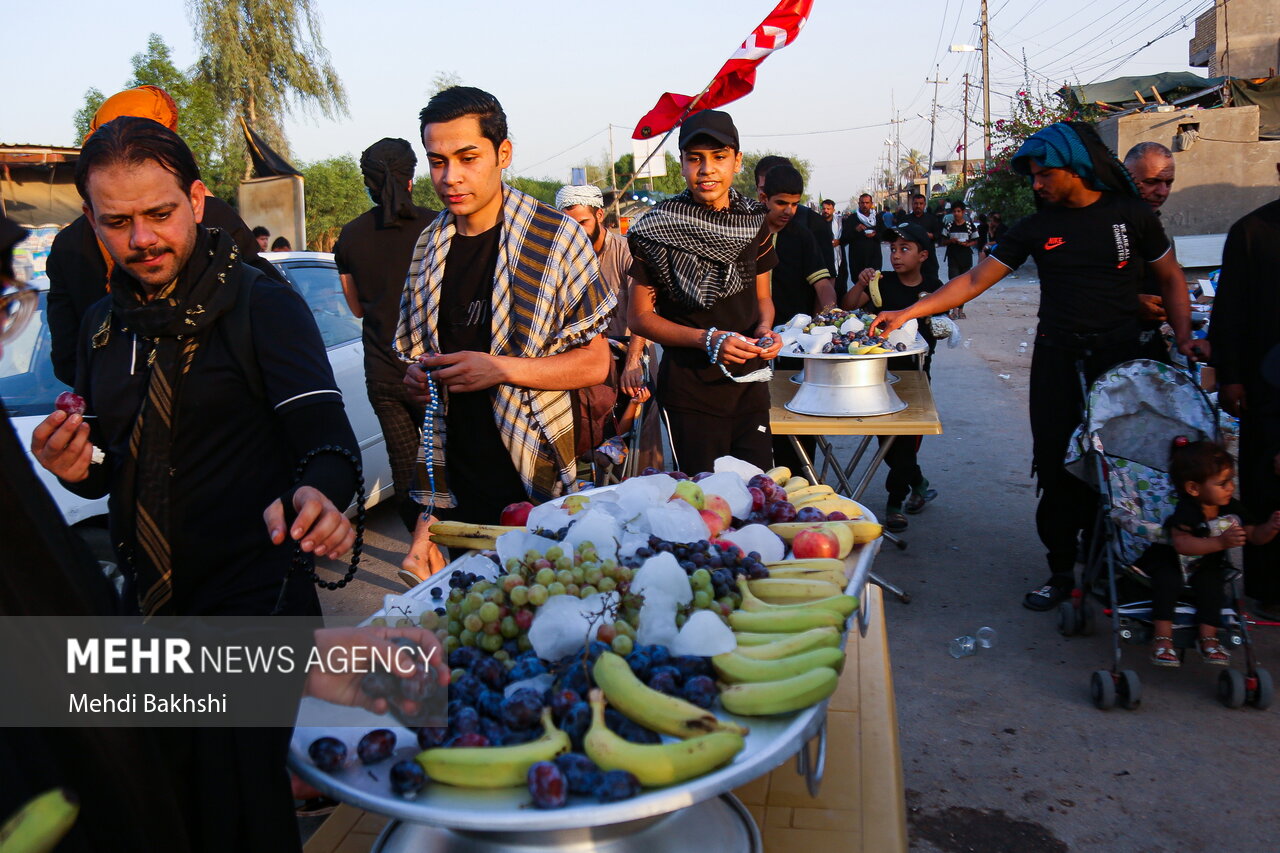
478, 564
800, 321
540, 683
676, 521
704, 634
514, 544
657, 620
741, 467
661, 572
905, 334
397, 607
851, 326
789, 336
730, 486
631, 542
560, 628
547, 516
637, 494
597, 527
757, 537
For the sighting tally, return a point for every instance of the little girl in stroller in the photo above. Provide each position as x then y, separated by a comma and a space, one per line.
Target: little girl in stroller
1205, 526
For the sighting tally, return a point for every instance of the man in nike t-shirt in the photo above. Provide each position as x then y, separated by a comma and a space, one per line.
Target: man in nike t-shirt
1093, 240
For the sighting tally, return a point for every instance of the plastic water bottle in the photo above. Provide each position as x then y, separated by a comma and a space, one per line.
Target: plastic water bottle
986, 637
962, 647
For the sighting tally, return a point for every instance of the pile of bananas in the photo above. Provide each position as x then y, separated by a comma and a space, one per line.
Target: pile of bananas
461, 534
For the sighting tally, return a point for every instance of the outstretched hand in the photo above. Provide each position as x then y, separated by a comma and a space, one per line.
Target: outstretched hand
320, 526
343, 688
887, 321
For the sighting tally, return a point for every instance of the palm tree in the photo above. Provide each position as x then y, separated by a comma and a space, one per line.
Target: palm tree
912, 165
888, 179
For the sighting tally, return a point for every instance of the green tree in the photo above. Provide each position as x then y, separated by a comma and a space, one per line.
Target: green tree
998, 188
261, 59
444, 80
335, 194
625, 166
543, 190
424, 193
93, 99
911, 166
745, 182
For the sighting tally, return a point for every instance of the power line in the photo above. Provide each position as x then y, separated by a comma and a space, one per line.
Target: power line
593, 135
817, 132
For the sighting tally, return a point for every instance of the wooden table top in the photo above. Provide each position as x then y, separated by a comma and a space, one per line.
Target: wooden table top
920, 417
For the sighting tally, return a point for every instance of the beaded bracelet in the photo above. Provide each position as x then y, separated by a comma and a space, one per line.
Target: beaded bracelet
720, 343
706, 343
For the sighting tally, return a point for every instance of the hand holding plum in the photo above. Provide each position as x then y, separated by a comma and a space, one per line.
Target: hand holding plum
61, 445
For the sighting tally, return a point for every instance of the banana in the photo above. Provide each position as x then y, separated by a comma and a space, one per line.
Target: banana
863, 531
39, 825
655, 765
761, 698
794, 644
494, 766
733, 668
641, 704
804, 574
795, 484
782, 619
792, 591
478, 543
463, 528
779, 475
801, 495
841, 605
747, 639
821, 563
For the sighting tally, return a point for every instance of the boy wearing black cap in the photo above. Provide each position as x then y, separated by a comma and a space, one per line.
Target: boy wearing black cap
875, 291
702, 290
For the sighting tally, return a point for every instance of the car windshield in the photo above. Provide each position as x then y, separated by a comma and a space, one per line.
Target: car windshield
27, 383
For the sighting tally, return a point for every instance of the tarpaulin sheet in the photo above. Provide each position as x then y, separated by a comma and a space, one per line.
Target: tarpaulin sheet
1266, 97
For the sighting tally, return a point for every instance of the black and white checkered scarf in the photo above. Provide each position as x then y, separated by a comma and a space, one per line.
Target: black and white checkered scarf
692, 251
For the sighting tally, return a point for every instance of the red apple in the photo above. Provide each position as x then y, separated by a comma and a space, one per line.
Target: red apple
815, 542
516, 515
715, 523
720, 507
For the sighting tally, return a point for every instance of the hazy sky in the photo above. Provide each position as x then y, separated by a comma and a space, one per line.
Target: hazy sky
567, 69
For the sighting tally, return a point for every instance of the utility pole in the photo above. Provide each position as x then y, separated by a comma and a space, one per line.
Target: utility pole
613, 180
933, 128
964, 150
986, 88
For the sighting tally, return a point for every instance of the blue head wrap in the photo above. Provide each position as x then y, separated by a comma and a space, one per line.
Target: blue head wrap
1077, 147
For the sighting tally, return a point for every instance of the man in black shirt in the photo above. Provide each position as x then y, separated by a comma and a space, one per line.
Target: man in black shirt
503, 314
1093, 240
932, 226
1151, 165
959, 236
373, 254
701, 290
862, 235
806, 216
1244, 331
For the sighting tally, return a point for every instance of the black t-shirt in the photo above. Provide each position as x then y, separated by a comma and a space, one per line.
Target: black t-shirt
963, 231
1091, 260
378, 258
1188, 517
687, 381
925, 220
799, 266
895, 296
232, 458
481, 474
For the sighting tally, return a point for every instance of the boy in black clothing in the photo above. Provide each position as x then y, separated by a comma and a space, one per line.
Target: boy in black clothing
959, 236
701, 289
893, 291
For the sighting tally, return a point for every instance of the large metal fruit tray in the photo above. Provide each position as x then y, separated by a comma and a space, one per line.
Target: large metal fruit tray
842, 385
771, 742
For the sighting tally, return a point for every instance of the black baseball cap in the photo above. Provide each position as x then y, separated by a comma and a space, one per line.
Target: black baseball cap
913, 233
716, 124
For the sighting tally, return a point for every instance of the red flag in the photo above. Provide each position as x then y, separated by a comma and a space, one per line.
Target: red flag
738, 76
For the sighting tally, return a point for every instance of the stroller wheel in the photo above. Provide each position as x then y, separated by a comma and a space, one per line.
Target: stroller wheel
1087, 624
1231, 688
1265, 692
1102, 687
1066, 618
1129, 690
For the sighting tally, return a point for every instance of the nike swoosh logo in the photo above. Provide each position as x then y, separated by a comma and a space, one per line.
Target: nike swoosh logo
1053, 243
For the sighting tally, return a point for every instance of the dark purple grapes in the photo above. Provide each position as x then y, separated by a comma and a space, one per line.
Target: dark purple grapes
665, 679
463, 657
376, 746
429, 737
466, 720
522, 709
328, 753
658, 655
562, 701
637, 733
757, 572
490, 704
490, 671
596, 649
576, 723
639, 663
616, 785
700, 690
580, 772
408, 778
494, 730
575, 678
691, 665
547, 786
437, 592
465, 688
527, 668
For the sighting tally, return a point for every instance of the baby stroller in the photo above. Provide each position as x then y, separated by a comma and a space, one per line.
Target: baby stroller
1133, 412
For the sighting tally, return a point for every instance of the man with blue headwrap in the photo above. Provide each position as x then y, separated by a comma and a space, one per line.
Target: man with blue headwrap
1093, 239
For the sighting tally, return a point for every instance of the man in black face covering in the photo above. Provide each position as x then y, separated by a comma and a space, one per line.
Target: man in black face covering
373, 254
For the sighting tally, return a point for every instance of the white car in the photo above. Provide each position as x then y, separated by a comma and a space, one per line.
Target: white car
28, 387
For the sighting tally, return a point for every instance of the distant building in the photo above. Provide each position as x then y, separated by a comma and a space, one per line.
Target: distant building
1239, 39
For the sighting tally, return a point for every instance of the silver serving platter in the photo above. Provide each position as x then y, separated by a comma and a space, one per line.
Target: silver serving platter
842, 385
771, 742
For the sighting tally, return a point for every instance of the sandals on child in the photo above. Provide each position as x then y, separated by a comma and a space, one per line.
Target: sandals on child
1212, 652
1163, 653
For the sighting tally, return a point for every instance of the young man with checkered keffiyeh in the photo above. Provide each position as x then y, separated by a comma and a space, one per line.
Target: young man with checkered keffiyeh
701, 289
503, 312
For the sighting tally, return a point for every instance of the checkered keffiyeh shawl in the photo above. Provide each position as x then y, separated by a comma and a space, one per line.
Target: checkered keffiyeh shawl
548, 297
693, 250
